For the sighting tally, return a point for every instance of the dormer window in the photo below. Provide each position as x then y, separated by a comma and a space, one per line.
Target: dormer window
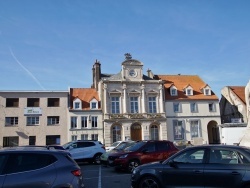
93, 104
173, 91
207, 91
189, 92
77, 104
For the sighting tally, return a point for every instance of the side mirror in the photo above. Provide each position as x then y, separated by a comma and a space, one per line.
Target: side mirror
172, 164
144, 151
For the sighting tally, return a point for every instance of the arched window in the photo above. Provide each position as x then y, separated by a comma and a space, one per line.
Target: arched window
116, 133
154, 132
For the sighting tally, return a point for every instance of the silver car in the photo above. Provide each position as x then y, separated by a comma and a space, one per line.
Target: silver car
27, 167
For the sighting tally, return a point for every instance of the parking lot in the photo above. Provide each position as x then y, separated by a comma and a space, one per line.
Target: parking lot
99, 176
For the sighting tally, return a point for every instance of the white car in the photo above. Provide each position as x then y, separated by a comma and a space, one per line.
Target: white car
115, 144
85, 150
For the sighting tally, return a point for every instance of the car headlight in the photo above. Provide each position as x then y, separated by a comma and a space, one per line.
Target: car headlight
123, 156
135, 171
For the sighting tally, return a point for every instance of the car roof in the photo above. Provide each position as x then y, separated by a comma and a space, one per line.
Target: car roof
220, 146
29, 149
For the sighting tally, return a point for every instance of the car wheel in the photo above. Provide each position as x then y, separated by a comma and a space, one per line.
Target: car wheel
96, 158
149, 182
132, 165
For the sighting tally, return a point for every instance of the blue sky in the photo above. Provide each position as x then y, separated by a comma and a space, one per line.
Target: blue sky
52, 44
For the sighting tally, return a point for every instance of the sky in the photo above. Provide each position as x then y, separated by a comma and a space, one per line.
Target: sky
53, 44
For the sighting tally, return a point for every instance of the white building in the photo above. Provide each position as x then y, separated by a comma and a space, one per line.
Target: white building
85, 115
192, 110
33, 117
132, 103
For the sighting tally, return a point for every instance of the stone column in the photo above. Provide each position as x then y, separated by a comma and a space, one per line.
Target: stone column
124, 98
105, 99
143, 99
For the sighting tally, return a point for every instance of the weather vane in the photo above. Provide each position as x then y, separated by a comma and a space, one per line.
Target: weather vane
128, 56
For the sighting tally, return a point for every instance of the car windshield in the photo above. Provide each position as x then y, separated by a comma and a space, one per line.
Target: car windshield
123, 145
135, 146
115, 144
66, 146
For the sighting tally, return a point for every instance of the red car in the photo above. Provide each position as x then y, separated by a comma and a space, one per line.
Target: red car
142, 152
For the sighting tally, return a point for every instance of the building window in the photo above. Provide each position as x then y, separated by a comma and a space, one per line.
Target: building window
152, 104
53, 139
73, 137
154, 133
53, 120
73, 122
10, 141
189, 92
211, 107
84, 121
32, 140
177, 107
84, 136
116, 133
115, 105
11, 121
77, 105
53, 102
195, 129
207, 91
33, 102
93, 105
178, 130
193, 107
134, 104
94, 121
12, 102
173, 92
32, 120
94, 136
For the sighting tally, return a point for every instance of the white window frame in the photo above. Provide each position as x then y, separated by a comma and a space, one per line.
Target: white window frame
77, 104
152, 108
211, 107
178, 129
173, 91
11, 121
115, 105
53, 120
94, 121
73, 122
193, 107
73, 137
134, 104
94, 136
84, 121
195, 129
176, 107
33, 120
84, 136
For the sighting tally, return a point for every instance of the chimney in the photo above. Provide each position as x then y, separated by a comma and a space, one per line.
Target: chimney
150, 74
96, 71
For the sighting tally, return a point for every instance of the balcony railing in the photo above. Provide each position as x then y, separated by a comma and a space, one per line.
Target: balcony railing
135, 116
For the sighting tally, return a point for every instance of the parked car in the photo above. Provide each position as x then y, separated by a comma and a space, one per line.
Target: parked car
121, 146
85, 150
142, 152
198, 166
38, 167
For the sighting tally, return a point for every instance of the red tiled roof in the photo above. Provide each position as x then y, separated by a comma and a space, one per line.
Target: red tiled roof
85, 95
239, 91
180, 82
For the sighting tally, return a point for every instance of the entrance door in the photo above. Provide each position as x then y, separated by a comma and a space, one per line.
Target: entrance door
135, 132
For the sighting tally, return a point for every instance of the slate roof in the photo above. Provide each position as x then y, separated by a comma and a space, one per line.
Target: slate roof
180, 82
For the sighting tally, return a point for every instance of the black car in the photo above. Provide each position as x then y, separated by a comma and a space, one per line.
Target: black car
197, 166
